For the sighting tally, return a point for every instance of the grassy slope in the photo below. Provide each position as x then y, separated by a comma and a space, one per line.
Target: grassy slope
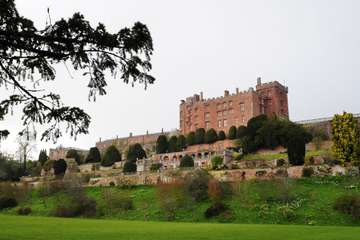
282, 155
16, 227
318, 196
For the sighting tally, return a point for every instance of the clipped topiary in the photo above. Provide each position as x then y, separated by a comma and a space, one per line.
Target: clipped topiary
111, 155
59, 166
222, 135
241, 132
199, 136
211, 136
172, 144
232, 133
73, 154
180, 143
94, 156
190, 139
135, 152
161, 144
129, 167
187, 161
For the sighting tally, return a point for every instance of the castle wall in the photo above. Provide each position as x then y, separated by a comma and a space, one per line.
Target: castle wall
233, 109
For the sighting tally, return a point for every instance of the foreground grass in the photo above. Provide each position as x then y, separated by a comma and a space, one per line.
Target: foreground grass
18, 227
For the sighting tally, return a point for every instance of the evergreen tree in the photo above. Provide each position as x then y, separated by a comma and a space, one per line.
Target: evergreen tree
111, 155
222, 135
232, 133
190, 139
94, 156
172, 144
135, 152
161, 144
73, 154
199, 136
180, 143
211, 136
43, 157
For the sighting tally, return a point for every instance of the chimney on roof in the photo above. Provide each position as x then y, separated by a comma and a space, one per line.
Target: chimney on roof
237, 90
258, 81
201, 96
99, 139
130, 134
162, 130
226, 93
147, 132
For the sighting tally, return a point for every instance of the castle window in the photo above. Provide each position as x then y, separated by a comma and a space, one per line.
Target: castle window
242, 106
196, 118
243, 119
218, 106
225, 122
207, 107
207, 125
219, 114
262, 101
269, 102
231, 111
235, 120
281, 103
190, 119
196, 110
219, 123
196, 164
269, 93
224, 112
230, 103
224, 104
196, 126
263, 110
280, 94
207, 115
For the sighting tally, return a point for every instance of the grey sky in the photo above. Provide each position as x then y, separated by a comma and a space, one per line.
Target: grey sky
211, 46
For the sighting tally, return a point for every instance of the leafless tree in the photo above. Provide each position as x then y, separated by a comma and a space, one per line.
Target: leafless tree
27, 144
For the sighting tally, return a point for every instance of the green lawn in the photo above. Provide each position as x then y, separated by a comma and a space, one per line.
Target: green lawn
26, 227
282, 155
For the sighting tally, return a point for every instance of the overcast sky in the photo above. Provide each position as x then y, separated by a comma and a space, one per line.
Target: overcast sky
313, 47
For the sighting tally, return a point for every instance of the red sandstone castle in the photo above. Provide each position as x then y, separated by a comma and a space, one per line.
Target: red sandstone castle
235, 109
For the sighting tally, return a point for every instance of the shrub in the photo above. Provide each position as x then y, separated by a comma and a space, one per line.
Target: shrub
211, 136
307, 172
180, 143
7, 202
281, 173
286, 212
260, 173
308, 161
190, 139
349, 204
172, 144
214, 191
111, 184
199, 136
49, 164
197, 185
232, 133
352, 172
222, 135
73, 154
280, 162
129, 167
111, 155
216, 209
93, 156
187, 161
216, 161
59, 166
154, 167
161, 144
24, 211
135, 152
83, 205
